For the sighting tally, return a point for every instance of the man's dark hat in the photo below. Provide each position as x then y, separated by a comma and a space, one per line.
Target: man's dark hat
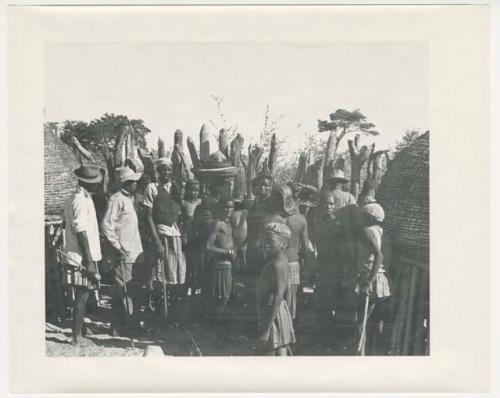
89, 172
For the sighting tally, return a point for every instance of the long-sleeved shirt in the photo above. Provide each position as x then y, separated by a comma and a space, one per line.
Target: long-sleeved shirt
80, 216
121, 227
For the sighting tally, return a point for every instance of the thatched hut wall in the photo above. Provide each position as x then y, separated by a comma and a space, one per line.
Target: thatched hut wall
60, 181
404, 194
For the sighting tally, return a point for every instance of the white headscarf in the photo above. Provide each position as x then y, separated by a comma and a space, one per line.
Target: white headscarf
375, 210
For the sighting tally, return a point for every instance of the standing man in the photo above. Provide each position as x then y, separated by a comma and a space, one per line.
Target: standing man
162, 201
82, 249
336, 281
335, 184
121, 228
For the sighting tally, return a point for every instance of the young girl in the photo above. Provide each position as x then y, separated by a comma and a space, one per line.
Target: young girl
275, 321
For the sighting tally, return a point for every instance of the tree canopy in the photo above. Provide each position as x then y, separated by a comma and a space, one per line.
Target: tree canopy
102, 131
344, 122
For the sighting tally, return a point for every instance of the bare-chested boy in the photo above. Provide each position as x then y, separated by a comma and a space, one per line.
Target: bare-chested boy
240, 230
193, 255
274, 320
220, 243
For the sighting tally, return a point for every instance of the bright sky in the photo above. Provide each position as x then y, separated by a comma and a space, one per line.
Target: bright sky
169, 85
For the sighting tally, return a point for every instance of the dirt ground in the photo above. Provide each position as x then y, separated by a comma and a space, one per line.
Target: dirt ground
190, 334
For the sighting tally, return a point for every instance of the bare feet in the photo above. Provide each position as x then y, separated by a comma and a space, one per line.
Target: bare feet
81, 341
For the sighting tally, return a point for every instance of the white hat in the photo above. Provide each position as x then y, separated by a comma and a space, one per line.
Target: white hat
126, 174
337, 175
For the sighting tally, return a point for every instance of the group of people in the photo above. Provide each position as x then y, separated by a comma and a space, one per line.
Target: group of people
169, 241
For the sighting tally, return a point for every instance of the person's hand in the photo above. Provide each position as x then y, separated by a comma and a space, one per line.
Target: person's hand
366, 288
160, 249
123, 253
232, 255
264, 336
91, 268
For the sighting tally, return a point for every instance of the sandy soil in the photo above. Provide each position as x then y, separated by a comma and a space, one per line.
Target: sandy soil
189, 331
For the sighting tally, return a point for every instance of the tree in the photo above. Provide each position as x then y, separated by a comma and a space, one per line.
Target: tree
102, 131
341, 123
359, 155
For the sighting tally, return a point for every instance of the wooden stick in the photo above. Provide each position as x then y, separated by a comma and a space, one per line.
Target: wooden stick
362, 339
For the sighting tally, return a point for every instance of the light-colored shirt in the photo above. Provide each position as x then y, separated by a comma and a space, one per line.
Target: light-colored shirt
121, 227
150, 194
80, 216
342, 199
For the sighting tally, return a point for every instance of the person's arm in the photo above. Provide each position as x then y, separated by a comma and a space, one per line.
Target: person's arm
211, 243
108, 226
148, 204
281, 272
377, 251
154, 233
258, 241
305, 243
80, 226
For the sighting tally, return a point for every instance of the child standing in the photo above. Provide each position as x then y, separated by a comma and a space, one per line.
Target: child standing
221, 245
275, 321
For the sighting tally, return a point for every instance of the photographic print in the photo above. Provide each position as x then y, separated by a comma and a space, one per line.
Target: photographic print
236, 199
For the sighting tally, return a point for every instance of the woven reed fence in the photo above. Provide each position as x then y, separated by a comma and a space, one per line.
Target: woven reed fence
404, 194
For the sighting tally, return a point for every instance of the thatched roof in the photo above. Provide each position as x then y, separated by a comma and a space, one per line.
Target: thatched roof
60, 180
404, 194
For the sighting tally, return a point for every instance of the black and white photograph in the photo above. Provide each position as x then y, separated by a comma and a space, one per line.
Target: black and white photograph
258, 199
236, 199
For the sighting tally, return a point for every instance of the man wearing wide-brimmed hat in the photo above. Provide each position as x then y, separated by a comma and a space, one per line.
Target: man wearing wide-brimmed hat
335, 182
121, 228
82, 249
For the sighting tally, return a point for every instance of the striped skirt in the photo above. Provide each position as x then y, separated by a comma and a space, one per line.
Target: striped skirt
281, 333
380, 286
294, 273
76, 276
175, 262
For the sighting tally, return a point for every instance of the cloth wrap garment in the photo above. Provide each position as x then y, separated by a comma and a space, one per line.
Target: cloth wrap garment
281, 333
166, 211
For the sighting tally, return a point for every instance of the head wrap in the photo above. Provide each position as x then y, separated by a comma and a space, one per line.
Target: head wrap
163, 162
375, 210
192, 183
278, 229
285, 192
